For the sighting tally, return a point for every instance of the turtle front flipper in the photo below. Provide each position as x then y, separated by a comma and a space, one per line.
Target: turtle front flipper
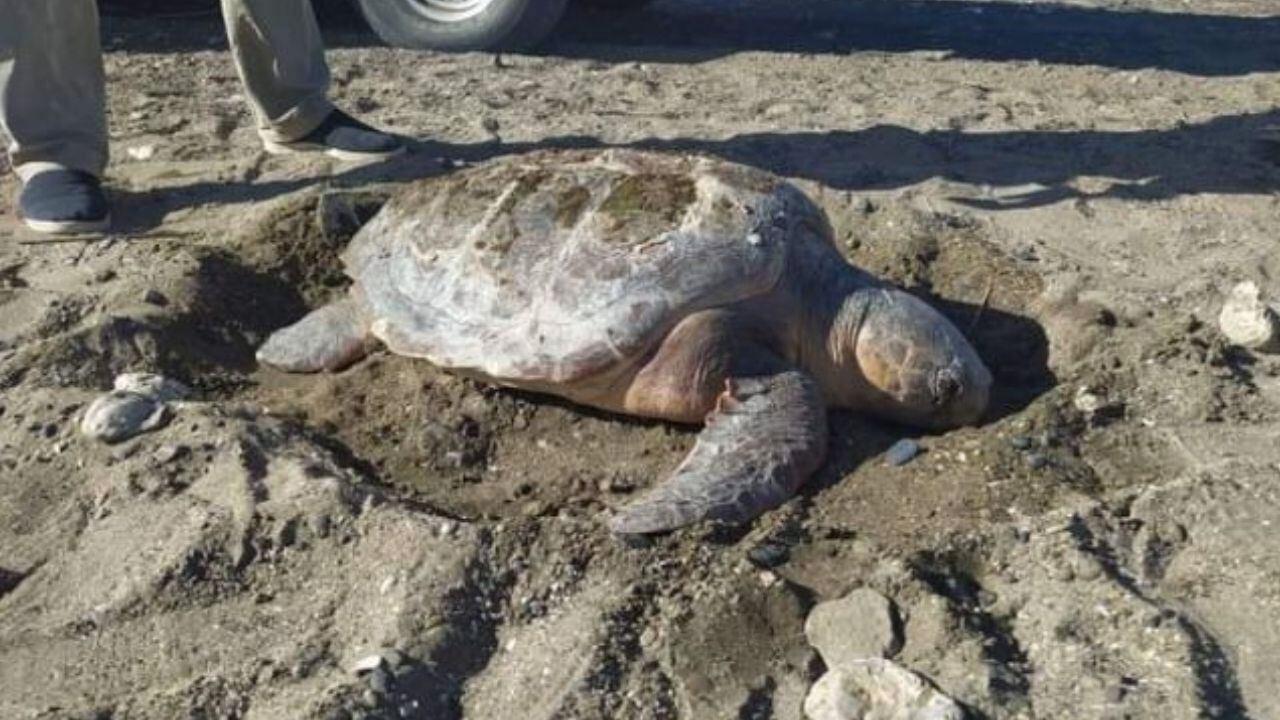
766, 436
329, 338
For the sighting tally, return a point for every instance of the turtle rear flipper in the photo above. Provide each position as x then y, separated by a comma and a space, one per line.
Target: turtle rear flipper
766, 436
329, 338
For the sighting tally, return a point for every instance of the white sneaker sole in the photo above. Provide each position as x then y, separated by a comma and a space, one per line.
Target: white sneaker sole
68, 227
275, 148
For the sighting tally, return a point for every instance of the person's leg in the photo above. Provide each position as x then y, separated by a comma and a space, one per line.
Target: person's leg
52, 104
280, 57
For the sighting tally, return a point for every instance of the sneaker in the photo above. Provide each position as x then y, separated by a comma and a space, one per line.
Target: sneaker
64, 202
343, 137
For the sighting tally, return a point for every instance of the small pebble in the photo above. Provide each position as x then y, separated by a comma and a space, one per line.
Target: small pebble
1087, 401
649, 638
368, 663
168, 453
769, 554
1021, 442
378, 680
124, 452
120, 414
1037, 461
902, 452
394, 658
320, 525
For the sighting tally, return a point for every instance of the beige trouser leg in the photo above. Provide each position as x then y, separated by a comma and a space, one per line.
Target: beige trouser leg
280, 56
52, 102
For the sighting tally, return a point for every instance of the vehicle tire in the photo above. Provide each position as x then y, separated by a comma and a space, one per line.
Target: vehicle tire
459, 25
615, 4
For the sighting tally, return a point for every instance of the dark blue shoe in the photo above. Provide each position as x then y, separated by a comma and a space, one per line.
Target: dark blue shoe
343, 137
64, 202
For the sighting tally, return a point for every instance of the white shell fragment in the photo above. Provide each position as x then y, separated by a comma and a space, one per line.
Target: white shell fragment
121, 414
876, 689
154, 386
1248, 321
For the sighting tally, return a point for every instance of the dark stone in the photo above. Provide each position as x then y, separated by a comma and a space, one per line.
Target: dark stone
769, 554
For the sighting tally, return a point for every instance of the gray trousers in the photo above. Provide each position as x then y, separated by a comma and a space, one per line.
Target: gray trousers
52, 97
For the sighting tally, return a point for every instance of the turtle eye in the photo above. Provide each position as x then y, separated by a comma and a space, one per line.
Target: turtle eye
945, 385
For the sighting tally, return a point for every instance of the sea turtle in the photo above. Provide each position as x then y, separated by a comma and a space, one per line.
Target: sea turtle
660, 285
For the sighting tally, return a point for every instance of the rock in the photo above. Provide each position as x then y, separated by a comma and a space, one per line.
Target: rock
1087, 401
153, 386
336, 214
1037, 461
141, 152
121, 414
1249, 322
155, 297
368, 663
222, 125
320, 525
168, 453
877, 689
858, 626
378, 680
394, 658
769, 554
902, 452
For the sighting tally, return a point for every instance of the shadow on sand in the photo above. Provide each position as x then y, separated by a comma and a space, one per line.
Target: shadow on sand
699, 30
1234, 154
694, 30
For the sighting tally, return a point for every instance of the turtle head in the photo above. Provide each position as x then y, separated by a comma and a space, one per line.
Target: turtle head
904, 361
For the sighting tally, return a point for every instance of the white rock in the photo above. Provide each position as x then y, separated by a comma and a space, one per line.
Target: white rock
121, 414
855, 627
141, 152
1248, 321
369, 663
1087, 401
153, 386
876, 689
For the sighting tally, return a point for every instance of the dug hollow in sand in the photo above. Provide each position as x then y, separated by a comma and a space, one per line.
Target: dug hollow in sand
664, 286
